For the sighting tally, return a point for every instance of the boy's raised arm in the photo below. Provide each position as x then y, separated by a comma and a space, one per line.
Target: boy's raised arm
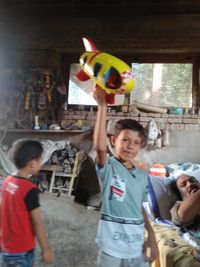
100, 135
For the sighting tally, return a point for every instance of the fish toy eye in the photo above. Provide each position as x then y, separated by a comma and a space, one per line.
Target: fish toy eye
96, 69
112, 79
85, 60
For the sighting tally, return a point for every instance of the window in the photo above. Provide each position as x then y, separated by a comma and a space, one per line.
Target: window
158, 84
80, 93
163, 84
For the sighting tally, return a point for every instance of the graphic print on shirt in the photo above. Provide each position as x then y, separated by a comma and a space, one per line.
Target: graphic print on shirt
11, 188
117, 188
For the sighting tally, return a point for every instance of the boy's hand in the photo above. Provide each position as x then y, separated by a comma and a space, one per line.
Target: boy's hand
151, 245
99, 95
48, 255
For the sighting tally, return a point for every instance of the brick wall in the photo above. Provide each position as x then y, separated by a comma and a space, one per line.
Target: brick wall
186, 122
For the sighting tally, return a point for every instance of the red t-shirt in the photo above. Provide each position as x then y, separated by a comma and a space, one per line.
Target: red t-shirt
19, 197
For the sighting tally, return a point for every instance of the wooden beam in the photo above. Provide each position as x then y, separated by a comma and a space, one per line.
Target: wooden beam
196, 84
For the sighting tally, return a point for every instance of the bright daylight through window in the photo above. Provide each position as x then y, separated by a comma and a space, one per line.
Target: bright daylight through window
163, 84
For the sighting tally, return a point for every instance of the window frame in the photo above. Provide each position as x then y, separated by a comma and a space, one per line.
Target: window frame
160, 57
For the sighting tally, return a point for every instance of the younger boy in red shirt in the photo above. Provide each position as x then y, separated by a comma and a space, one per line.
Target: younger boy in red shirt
20, 217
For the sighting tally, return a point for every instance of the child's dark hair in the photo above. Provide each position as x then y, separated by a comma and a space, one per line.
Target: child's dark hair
131, 125
25, 150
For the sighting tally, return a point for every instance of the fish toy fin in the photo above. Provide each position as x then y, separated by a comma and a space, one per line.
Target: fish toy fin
82, 76
89, 45
110, 98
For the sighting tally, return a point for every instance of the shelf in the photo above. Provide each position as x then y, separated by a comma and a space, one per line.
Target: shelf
56, 172
62, 189
26, 131
52, 167
63, 174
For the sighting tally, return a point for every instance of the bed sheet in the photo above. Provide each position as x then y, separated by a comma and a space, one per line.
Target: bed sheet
173, 251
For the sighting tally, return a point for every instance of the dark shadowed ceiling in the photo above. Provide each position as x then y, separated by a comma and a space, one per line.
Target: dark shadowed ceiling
100, 8
123, 27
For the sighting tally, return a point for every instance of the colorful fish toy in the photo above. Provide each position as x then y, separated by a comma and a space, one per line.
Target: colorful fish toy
110, 73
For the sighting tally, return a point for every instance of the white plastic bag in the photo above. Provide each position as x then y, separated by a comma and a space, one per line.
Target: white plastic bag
152, 130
